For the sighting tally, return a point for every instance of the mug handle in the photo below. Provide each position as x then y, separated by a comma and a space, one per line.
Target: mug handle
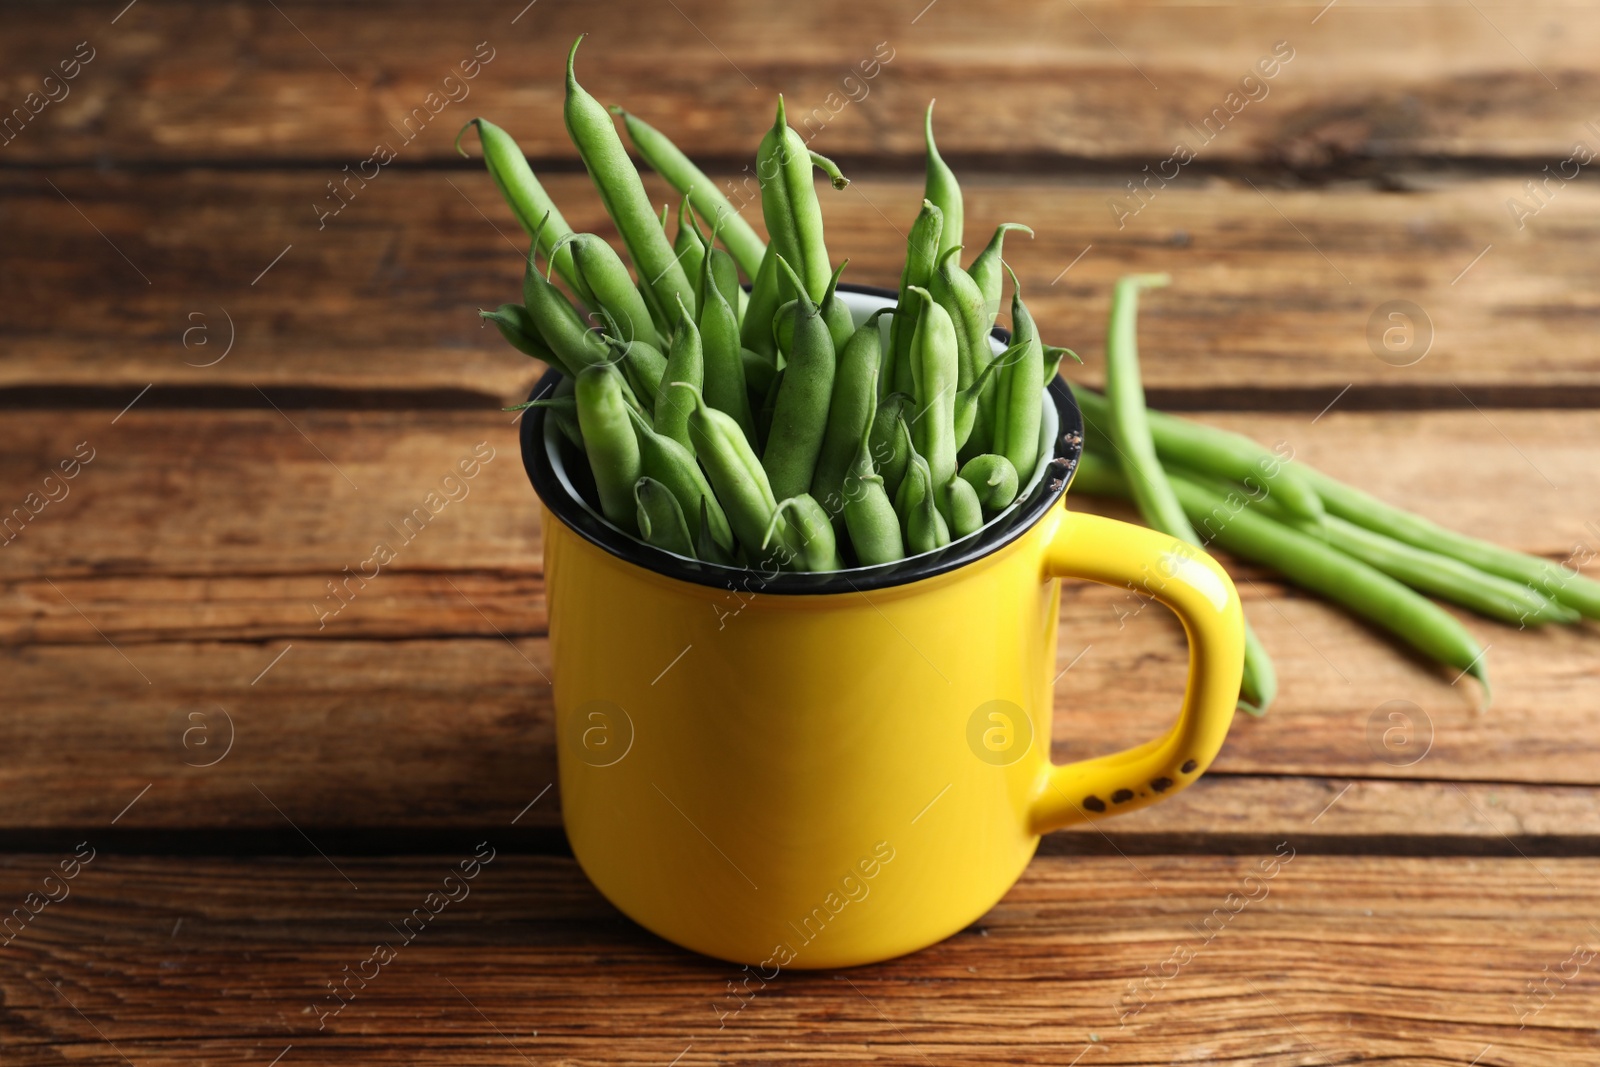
1193, 585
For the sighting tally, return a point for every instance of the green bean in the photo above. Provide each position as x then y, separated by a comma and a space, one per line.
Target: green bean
725, 387
869, 516
527, 198
783, 327
755, 326
994, 480
958, 294
924, 527
725, 276
719, 270
674, 466
609, 442
922, 250
789, 205
1549, 579
806, 537
758, 372
1446, 577
612, 289
1443, 576
660, 518
1125, 414
564, 408
1429, 572
550, 403
841, 325
935, 373
769, 402
705, 545
986, 269
686, 364
943, 190
689, 247
1258, 688
669, 162
1052, 361
642, 367
515, 325
734, 471
1018, 401
966, 513
1227, 455
850, 409
974, 429
559, 325
800, 411
1153, 494
890, 453
595, 136
831, 169
1314, 565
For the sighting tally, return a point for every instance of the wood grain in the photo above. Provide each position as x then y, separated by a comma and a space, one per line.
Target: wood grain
177, 694
1020, 79
195, 547
442, 732
1338, 959
206, 500
1274, 291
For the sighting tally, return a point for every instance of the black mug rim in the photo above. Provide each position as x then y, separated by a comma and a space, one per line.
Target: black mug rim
576, 516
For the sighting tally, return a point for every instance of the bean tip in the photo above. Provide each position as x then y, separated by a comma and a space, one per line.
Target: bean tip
1480, 671
572, 57
1015, 284
1145, 281
463, 132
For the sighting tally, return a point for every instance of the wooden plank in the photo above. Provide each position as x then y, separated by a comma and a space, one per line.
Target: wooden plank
1330, 959
1103, 82
195, 547
443, 732
1243, 812
1274, 291
207, 500
234, 493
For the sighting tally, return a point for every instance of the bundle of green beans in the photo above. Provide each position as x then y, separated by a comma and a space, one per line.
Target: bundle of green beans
1372, 558
768, 428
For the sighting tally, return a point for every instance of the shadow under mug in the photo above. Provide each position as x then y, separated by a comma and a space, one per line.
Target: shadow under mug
822, 770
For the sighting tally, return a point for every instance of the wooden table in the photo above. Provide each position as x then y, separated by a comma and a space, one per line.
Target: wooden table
252, 394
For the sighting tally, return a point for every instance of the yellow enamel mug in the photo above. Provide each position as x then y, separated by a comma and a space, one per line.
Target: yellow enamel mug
798, 770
